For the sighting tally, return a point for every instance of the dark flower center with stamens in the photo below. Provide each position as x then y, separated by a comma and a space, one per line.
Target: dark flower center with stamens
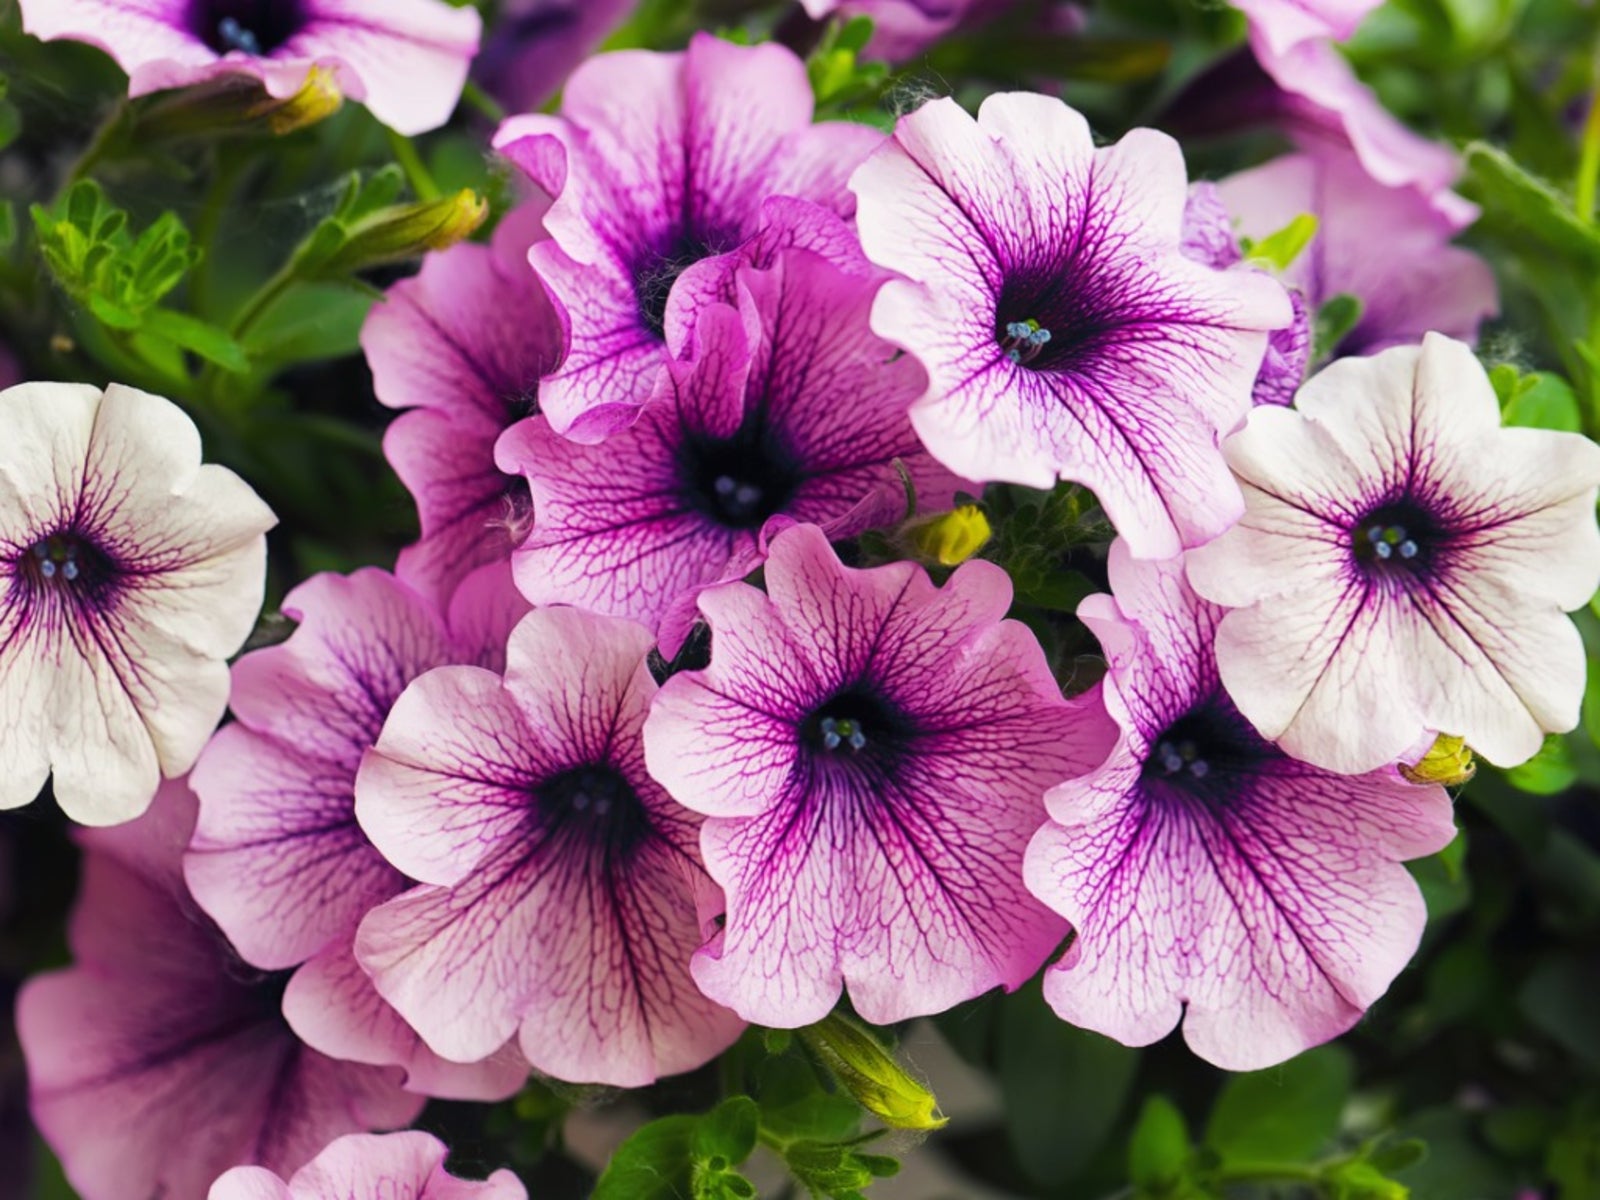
69, 565
1397, 540
656, 271
1053, 318
249, 26
858, 726
740, 481
596, 803
1204, 752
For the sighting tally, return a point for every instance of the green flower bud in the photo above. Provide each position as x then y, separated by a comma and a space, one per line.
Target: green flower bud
866, 1069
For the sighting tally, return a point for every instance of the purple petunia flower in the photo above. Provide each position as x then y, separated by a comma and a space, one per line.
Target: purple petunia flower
1403, 565
405, 59
791, 410
1209, 876
1065, 331
872, 753
278, 859
130, 571
658, 163
534, 44
901, 29
1208, 237
394, 1166
462, 345
160, 1059
1386, 246
562, 892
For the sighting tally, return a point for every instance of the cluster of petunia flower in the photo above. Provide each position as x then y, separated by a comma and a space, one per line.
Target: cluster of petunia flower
502, 810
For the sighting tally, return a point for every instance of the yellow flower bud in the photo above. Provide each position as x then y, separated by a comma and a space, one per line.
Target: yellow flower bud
238, 106
318, 98
866, 1069
1448, 762
953, 537
403, 231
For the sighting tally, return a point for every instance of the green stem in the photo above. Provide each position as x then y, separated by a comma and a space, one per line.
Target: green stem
410, 161
1269, 1172
230, 165
474, 96
99, 145
265, 297
1583, 192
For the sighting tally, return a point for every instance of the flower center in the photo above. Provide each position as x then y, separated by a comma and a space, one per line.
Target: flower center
1024, 340
1053, 317
595, 803
1399, 539
254, 27
67, 563
858, 726
655, 273
1203, 750
738, 482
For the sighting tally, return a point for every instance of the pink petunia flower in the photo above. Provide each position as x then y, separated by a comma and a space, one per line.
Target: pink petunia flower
533, 45
130, 573
1209, 876
277, 858
902, 29
1402, 565
871, 752
1414, 282
1064, 330
562, 891
660, 163
394, 1166
462, 345
405, 59
160, 1059
791, 410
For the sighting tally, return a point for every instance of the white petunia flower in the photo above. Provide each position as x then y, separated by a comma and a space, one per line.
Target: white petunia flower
129, 573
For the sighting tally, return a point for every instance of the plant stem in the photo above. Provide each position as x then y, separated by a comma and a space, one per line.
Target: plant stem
474, 96
1269, 1172
102, 141
410, 161
1583, 192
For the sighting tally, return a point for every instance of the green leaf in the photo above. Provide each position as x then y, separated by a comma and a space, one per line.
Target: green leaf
1526, 207
1547, 772
1284, 1113
1558, 998
726, 1135
1279, 250
656, 1163
794, 1104
1398, 1155
1159, 1149
1064, 1087
1543, 401
311, 322
198, 337
1337, 316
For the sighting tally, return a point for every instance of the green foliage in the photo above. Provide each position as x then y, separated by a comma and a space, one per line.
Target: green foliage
1333, 321
1288, 1112
1278, 250
841, 81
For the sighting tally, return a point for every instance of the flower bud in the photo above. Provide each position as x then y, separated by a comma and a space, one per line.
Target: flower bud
236, 105
401, 231
953, 537
1447, 762
866, 1069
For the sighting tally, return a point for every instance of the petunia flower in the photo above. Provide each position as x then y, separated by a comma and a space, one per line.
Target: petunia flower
1279, 25
405, 59
1386, 246
160, 1059
277, 858
130, 573
1403, 564
902, 29
1209, 876
533, 45
1064, 330
1209, 237
393, 1166
462, 345
562, 892
871, 753
791, 410
660, 162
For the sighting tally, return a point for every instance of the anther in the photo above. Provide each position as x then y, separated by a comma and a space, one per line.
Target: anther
1024, 340
236, 37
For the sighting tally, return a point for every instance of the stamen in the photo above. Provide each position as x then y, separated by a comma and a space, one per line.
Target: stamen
1024, 340
236, 37
1389, 540
842, 731
1183, 756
